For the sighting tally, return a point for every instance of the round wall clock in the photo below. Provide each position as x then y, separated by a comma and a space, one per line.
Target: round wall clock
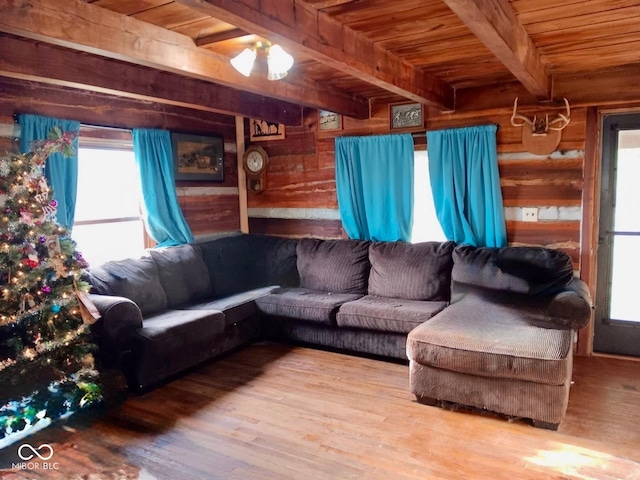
255, 161
255, 164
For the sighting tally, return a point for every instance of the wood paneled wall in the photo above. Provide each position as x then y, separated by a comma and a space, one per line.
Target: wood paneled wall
300, 198
209, 208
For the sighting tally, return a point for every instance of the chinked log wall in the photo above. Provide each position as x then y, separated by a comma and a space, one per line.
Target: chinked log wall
300, 198
209, 208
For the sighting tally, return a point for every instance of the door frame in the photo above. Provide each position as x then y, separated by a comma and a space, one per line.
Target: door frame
612, 122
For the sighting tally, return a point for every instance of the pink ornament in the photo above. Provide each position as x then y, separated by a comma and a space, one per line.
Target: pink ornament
54, 203
46, 289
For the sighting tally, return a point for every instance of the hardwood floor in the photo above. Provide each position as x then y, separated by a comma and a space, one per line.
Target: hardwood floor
274, 412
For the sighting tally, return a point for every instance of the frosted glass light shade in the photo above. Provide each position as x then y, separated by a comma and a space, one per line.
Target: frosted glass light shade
243, 62
279, 63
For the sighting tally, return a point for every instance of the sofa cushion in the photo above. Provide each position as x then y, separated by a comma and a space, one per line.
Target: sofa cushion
239, 263
173, 340
528, 270
237, 307
183, 274
184, 324
338, 266
492, 339
420, 271
135, 279
386, 314
304, 304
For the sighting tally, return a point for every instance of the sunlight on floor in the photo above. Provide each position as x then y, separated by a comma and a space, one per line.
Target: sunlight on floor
570, 460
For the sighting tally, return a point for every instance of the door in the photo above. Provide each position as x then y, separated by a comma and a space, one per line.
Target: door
617, 328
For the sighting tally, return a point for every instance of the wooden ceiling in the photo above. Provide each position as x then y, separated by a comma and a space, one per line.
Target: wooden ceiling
347, 53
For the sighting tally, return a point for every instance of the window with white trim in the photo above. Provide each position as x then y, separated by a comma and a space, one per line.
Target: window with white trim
108, 222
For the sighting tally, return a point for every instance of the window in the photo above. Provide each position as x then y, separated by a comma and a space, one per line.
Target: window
108, 223
426, 227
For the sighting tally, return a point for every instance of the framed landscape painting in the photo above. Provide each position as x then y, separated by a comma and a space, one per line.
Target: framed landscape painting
198, 157
329, 120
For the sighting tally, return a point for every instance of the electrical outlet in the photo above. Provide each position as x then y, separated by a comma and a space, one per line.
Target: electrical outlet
529, 214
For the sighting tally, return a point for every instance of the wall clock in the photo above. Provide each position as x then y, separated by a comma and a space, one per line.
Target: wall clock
255, 165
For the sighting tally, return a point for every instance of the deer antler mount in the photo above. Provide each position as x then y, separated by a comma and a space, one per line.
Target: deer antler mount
541, 136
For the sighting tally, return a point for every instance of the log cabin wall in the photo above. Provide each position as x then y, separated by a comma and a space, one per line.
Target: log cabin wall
300, 198
209, 208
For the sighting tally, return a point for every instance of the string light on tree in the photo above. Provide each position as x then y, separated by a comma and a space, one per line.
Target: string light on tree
42, 321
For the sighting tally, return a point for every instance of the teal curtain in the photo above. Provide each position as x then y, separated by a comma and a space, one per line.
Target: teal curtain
374, 185
61, 172
154, 156
463, 165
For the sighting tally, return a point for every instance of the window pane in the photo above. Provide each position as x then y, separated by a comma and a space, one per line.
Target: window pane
108, 184
627, 192
108, 189
109, 241
426, 227
626, 262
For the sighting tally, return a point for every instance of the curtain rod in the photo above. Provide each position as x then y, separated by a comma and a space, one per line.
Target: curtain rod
424, 134
102, 127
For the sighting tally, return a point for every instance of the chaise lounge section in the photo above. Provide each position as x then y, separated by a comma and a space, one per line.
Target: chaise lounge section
505, 343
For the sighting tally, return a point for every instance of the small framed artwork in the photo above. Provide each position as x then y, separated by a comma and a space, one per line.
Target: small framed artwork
262, 130
329, 121
405, 116
198, 157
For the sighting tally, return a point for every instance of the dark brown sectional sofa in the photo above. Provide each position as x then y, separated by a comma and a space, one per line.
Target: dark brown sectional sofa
489, 328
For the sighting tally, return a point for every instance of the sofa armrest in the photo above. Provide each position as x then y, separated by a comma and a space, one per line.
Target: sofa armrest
121, 317
571, 307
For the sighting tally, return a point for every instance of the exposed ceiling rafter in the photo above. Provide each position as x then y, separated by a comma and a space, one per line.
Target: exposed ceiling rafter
496, 24
221, 36
27, 60
85, 27
299, 27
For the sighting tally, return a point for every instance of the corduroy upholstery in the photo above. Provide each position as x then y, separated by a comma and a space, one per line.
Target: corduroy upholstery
387, 314
337, 266
487, 328
419, 271
495, 340
304, 304
505, 342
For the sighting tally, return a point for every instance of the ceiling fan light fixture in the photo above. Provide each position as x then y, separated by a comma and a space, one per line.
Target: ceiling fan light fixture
243, 62
279, 63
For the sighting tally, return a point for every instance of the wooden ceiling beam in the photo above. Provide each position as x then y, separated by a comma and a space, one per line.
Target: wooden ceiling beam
221, 36
496, 24
299, 27
611, 87
85, 27
26, 60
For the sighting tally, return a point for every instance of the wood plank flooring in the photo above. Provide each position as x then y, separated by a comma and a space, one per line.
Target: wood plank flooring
277, 412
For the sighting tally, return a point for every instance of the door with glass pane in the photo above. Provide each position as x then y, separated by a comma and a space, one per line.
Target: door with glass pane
617, 328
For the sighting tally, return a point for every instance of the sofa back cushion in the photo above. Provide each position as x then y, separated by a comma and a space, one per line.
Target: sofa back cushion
183, 274
527, 270
340, 266
238, 263
420, 271
135, 279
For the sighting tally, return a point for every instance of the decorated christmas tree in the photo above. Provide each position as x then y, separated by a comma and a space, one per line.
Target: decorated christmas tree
46, 362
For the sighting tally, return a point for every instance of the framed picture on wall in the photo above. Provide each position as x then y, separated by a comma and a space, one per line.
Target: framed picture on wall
262, 130
328, 121
406, 116
198, 157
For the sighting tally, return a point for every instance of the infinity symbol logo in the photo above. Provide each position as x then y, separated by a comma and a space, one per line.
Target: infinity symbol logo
31, 452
